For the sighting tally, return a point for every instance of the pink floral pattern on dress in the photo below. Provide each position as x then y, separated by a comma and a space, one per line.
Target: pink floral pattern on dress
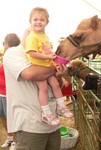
46, 49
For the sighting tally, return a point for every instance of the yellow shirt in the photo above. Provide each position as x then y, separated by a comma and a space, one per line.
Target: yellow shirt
39, 43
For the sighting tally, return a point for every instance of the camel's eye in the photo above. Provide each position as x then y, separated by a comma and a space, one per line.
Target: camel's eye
78, 38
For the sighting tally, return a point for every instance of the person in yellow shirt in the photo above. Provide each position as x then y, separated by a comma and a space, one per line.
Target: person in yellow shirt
38, 50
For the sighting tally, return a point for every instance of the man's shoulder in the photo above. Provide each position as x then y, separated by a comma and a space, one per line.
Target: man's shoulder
18, 49
14, 54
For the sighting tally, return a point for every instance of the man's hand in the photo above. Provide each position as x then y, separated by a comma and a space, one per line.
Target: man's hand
60, 70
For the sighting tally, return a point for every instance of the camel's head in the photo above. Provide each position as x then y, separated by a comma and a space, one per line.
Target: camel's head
84, 41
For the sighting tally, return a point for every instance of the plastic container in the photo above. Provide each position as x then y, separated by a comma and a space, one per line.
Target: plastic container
67, 91
61, 60
64, 130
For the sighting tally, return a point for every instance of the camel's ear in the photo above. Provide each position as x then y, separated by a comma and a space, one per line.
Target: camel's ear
94, 22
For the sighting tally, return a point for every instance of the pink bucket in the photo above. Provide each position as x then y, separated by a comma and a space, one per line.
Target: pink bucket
61, 60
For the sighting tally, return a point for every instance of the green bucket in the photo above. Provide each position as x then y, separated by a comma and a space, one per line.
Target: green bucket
63, 130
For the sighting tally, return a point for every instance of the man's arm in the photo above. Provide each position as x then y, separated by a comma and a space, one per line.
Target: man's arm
37, 73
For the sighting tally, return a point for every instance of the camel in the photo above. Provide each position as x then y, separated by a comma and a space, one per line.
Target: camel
84, 41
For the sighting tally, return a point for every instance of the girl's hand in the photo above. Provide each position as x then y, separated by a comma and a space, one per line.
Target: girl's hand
51, 56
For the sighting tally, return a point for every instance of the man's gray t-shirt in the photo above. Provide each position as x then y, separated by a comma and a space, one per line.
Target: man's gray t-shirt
23, 108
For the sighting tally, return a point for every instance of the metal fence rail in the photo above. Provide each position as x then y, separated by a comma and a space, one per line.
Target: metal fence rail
88, 118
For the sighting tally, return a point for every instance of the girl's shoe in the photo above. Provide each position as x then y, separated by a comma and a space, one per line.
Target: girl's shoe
63, 111
50, 119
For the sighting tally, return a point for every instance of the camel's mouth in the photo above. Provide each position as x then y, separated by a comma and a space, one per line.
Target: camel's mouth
58, 51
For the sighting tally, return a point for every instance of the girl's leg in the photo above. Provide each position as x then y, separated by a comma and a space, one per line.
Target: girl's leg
43, 92
55, 87
47, 115
62, 109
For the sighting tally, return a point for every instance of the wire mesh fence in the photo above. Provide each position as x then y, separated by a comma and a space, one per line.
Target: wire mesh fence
88, 118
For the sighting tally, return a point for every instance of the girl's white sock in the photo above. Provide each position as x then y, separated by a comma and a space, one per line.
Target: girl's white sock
46, 109
60, 101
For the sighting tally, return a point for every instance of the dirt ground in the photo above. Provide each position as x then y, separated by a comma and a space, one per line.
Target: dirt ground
2, 136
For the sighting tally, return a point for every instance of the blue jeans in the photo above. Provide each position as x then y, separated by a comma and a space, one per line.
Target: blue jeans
3, 110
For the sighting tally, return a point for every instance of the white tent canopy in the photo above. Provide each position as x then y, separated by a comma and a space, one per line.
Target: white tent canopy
64, 15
